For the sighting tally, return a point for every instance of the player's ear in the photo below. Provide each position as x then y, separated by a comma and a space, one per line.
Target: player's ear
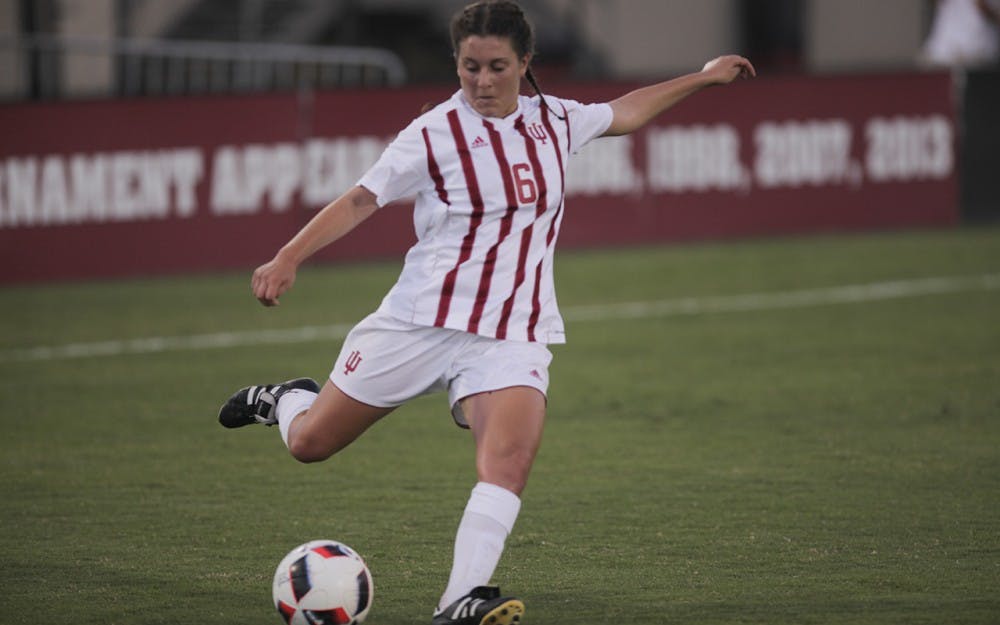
525, 64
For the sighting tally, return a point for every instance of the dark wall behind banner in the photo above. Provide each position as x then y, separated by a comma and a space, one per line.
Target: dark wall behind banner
980, 146
126, 188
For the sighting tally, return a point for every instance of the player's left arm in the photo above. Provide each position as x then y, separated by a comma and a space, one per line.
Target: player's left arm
635, 109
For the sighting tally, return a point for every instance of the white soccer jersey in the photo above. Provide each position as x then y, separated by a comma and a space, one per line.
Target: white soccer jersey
489, 201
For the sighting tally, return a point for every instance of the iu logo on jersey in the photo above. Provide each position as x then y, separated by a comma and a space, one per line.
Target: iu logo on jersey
537, 131
352, 362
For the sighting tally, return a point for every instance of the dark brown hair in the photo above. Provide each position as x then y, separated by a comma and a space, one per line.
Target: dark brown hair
498, 18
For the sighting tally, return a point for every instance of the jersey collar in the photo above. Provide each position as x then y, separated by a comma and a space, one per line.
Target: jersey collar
496, 121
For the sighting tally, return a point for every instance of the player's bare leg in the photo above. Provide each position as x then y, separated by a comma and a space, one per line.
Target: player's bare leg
332, 422
507, 429
315, 423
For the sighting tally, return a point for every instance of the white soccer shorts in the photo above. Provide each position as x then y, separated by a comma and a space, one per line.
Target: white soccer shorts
385, 362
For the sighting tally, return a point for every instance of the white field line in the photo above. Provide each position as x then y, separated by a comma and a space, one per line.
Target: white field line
194, 342
847, 294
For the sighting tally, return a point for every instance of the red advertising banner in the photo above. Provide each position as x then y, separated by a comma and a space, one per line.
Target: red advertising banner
141, 187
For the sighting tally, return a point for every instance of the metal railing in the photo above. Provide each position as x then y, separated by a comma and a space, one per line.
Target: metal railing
171, 67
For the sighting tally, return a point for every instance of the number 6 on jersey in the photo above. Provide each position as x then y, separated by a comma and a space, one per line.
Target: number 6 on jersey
527, 192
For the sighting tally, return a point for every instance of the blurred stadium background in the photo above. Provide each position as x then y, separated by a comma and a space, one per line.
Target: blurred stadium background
80, 48
134, 128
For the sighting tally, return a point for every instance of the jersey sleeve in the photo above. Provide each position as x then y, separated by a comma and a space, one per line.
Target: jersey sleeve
401, 171
586, 122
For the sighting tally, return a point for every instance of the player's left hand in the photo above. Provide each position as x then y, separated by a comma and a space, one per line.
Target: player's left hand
726, 69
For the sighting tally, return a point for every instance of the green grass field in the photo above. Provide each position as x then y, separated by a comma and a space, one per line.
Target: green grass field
704, 462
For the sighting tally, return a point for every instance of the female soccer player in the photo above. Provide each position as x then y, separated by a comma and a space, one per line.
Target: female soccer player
474, 307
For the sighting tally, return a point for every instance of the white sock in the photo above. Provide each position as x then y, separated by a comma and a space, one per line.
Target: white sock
292, 404
489, 517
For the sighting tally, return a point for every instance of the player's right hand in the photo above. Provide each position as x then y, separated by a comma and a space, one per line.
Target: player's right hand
272, 279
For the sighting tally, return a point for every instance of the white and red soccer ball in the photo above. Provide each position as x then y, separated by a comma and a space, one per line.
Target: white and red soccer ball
322, 582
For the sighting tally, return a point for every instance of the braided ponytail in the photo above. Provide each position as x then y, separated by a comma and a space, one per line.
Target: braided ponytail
534, 85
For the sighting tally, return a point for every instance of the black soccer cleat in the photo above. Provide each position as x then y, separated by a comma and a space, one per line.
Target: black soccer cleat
482, 606
256, 404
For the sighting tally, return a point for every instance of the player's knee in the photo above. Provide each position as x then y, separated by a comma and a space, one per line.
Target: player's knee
508, 469
306, 453
308, 449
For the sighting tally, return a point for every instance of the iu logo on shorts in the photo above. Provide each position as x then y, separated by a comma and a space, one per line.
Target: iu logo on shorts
352, 362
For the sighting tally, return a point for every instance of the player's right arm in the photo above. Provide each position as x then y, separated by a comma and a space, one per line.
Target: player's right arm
274, 278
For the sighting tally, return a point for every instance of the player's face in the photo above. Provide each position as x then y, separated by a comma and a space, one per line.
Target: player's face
490, 73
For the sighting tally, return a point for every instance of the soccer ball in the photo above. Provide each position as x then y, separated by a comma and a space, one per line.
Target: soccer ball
322, 582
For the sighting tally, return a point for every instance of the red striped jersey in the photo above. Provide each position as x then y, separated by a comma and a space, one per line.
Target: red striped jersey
489, 202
